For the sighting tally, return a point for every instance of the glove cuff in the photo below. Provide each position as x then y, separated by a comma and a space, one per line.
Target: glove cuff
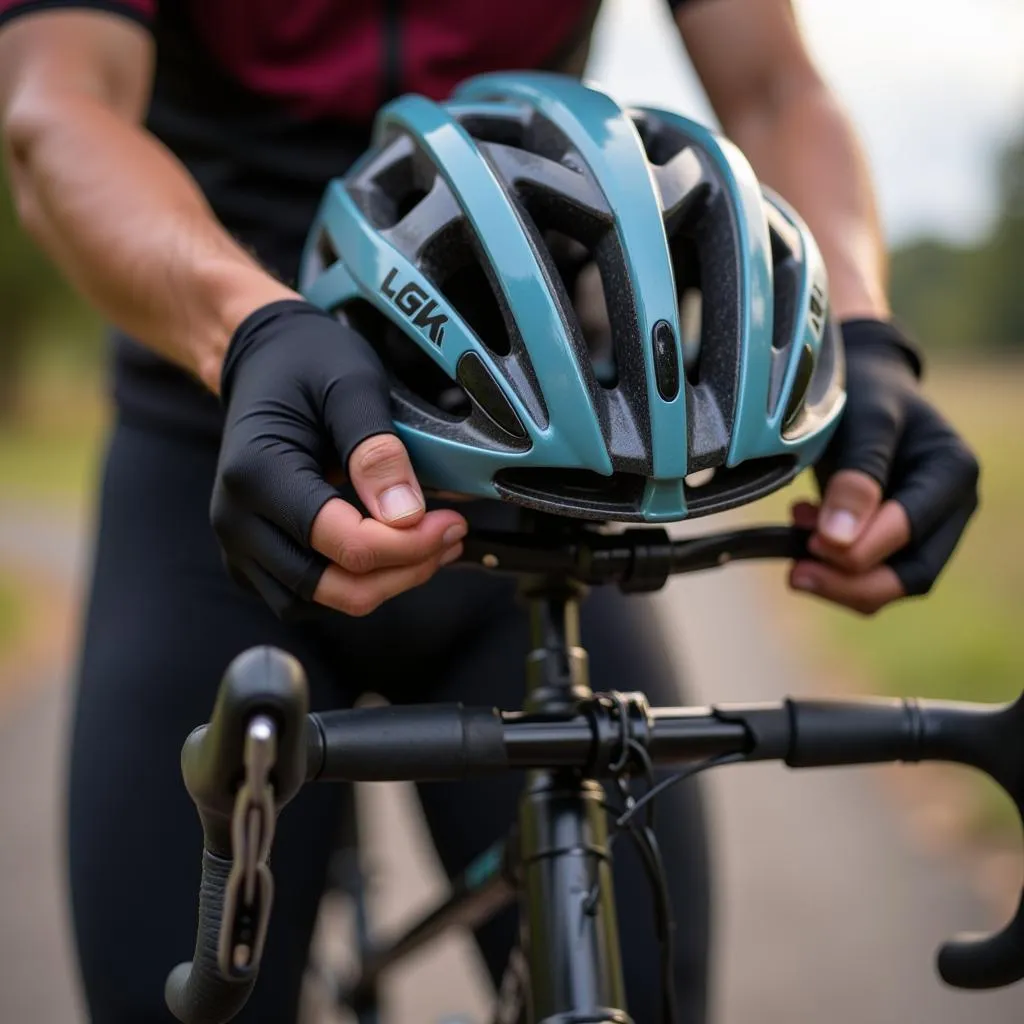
865, 332
253, 329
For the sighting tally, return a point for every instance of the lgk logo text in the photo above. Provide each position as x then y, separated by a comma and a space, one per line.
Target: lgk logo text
417, 305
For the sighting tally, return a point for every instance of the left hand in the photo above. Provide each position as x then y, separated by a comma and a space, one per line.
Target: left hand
899, 484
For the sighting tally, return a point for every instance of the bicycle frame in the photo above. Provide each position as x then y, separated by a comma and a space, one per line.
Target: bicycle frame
566, 738
559, 850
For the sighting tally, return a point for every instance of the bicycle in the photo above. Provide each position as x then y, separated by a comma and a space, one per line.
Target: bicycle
261, 746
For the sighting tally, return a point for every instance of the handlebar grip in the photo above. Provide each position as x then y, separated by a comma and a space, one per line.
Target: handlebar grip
978, 961
993, 741
196, 991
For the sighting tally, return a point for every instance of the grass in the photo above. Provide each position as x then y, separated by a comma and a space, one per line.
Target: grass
49, 457
12, 613
965, 641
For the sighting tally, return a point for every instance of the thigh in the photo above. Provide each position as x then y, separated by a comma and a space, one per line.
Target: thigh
163, 623
626, 652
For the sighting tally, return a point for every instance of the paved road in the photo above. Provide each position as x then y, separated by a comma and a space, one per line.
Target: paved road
825, 911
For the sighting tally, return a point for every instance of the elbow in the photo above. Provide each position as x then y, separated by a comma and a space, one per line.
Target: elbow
779, 96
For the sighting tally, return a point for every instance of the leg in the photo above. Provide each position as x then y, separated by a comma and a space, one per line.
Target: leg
163, 623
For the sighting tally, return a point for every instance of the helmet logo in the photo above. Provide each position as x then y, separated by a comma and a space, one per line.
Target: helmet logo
417, 305
816, 315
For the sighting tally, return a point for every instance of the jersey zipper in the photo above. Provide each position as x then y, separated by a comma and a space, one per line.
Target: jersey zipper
392, 84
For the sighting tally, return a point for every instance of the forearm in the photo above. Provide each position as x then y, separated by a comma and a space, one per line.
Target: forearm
803, 146
127, 224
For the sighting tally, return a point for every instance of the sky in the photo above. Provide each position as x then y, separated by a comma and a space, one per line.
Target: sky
935, 87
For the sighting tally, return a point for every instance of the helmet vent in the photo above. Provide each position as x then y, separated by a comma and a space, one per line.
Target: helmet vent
660, 144
499, 128
686, 269
572, 241
409, 367
735, 485
581, 276
590, 278
578, 492
469, 292
691, 310
408, 202
394, 184
453, 263
786, 277
325, 252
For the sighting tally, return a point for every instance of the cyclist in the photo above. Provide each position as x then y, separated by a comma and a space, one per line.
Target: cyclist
170, 157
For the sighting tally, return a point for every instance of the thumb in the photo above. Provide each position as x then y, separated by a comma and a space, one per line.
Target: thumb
856, 467
850, 500
381, 472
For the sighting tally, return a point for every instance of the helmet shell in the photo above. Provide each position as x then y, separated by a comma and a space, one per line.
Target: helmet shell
460, 246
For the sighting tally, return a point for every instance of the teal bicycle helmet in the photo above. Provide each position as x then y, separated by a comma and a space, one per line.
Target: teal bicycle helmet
583, 309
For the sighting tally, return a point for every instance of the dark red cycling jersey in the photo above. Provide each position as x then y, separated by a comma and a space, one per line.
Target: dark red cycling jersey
264, 101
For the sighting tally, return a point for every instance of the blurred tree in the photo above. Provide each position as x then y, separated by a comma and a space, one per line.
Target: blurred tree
929, 292
33, 296
971, 297
27, 280
1002, 260
1011, 179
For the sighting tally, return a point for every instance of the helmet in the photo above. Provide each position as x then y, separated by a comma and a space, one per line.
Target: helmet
584, 309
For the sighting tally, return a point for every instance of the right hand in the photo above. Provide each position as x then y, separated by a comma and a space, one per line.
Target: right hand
300, 392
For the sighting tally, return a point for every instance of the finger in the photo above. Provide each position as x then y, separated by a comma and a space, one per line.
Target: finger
805, 514
887, 532
358, 406
381, 472
361, 545
870, 430
289, 497
942, 478
850, 500
284, 574
919, 567
360, 595
865, 593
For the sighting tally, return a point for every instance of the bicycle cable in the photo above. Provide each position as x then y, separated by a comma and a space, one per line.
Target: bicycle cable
645, 840
646, 844
677, 777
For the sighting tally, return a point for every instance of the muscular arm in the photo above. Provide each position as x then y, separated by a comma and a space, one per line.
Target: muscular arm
773, 103
116, 211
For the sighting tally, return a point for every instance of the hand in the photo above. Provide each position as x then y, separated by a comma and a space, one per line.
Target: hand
899, 484
301, 392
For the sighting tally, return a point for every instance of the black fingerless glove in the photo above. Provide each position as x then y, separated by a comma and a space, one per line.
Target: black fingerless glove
890, 431
865, 333
300, 392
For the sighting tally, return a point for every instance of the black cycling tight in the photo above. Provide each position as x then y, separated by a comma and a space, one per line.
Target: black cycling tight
164, 620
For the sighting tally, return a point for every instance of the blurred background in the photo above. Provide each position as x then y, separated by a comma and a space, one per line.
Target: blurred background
936, 88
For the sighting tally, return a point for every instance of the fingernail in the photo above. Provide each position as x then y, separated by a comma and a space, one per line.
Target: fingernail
451, 555
841, 526
453, 534
804, 581
399, 502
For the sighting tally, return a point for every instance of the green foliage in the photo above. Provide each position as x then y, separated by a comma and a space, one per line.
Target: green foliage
11, 612
930, 293
969, 298
40, 313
